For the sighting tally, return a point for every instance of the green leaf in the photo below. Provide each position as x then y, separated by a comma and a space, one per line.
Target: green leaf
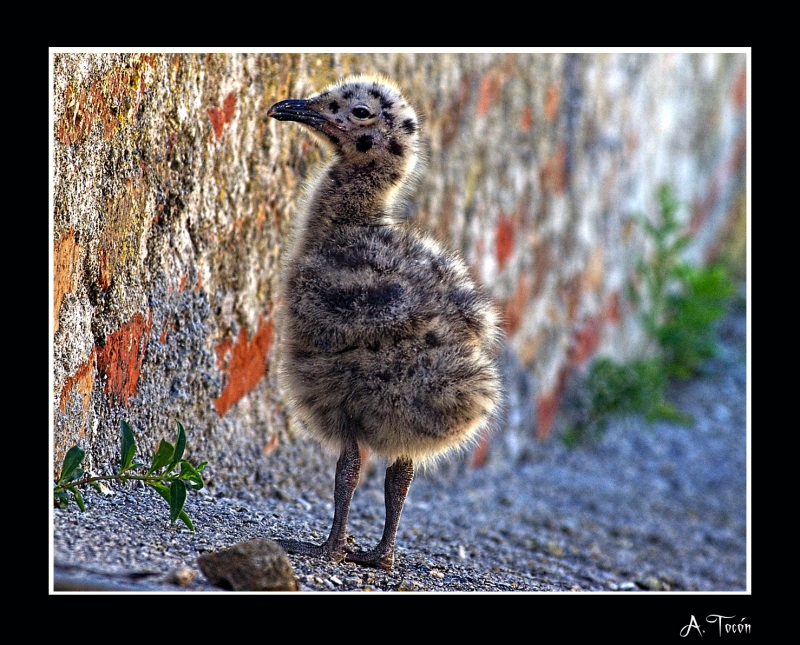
177, 497
165, 492
61, 498
183, 516
161, 489
162, 456
668, 202
190, 474
127, 447
180, 447
679, 245
77, 474
72, 460
78, 497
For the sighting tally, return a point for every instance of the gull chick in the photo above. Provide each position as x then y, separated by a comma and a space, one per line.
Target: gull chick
387, 342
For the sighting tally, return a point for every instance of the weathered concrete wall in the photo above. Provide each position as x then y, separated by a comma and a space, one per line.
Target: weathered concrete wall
173, 195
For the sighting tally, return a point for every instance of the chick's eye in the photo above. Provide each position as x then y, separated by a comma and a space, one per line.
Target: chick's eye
361, 112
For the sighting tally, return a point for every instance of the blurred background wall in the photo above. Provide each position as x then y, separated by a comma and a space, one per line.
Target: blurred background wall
173, 194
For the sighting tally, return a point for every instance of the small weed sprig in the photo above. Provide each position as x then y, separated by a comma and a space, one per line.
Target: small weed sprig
161, 475
680, 304
686, 335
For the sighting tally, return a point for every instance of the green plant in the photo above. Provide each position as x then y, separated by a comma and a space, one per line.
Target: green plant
161, 475
680, 304
657, 275
686, 334
636, 387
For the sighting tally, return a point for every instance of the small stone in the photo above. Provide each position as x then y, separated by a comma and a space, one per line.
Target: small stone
651, 583
255, 565
182, 576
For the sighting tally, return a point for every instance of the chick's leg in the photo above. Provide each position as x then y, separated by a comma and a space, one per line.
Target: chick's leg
398, 481
347, 470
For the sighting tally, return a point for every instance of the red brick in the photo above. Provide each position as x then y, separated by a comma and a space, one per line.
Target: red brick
217, 117
229, 107
66, 254
504, 240
585, 341
221, 116
526, 122
551, 102
488, 92
481, 452
244, 362
554, 172
120, 359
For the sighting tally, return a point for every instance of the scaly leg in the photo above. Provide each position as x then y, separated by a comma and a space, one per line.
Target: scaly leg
398, 481
347, 470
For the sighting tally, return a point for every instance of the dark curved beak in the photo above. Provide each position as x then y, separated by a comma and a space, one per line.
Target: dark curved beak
295, 110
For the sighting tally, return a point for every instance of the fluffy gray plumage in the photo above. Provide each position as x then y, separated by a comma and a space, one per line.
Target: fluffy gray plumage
387, 343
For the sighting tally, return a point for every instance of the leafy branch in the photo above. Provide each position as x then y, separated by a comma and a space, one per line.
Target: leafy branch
169, 474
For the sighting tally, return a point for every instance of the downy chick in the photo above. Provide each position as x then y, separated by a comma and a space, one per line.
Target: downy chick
387, 343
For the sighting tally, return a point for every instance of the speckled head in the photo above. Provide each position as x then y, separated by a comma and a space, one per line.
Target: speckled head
363, 118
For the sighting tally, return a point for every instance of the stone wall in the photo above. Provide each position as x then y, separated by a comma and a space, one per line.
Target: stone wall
173, 194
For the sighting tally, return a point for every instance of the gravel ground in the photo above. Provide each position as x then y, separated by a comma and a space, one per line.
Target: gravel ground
661, 508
